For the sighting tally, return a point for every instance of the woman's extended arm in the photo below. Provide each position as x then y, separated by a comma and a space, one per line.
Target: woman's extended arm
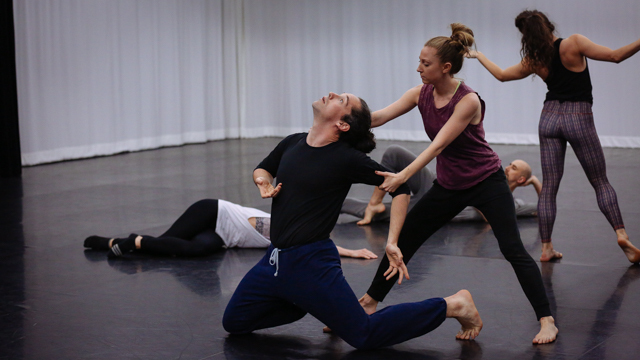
401, 106
515, 72
466, 110
399, 206
594, 51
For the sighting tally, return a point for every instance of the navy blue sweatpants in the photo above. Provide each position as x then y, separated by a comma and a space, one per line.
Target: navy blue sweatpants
309, 280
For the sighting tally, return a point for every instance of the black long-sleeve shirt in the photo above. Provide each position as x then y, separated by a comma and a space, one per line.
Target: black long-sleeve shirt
315, 182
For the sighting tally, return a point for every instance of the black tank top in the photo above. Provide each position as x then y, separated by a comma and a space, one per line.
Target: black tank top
566, 85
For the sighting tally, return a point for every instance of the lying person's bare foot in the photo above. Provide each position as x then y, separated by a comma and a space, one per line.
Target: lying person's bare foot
369, 305
462, 308
370, 212
548, 331
548, 253
632, 252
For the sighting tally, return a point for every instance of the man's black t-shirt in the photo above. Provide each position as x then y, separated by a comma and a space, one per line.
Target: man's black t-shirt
315, 182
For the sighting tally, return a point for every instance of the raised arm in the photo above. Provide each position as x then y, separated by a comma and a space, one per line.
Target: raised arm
533, 180
264, 181
594, 51
515, 72
400, 107
468, 109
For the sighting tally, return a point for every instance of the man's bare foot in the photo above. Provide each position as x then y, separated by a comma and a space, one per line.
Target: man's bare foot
548, 253
632, 252
548, 331
462, 308
369, 305
370, 212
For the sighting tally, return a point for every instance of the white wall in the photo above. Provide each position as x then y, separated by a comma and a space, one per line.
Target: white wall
103, 76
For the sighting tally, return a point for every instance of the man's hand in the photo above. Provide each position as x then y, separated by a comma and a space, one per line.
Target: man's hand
396, 264
266, 188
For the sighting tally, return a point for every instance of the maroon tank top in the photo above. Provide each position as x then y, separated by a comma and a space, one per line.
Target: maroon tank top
468, 159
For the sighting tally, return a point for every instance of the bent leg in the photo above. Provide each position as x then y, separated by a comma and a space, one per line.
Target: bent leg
198, 217
581, 134
315, 282
396, 158
255, 304
204, 243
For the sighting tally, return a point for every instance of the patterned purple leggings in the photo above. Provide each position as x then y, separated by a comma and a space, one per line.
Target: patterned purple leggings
572, 122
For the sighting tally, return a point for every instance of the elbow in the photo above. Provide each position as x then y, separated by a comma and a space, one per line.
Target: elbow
617, 57
500, 77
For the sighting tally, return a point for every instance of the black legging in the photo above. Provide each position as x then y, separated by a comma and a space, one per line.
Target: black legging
193, 234
439, 205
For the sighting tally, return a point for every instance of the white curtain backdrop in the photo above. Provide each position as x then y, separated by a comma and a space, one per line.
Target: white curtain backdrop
98, 77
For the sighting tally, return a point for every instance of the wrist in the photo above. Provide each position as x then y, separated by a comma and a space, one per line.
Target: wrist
404, 176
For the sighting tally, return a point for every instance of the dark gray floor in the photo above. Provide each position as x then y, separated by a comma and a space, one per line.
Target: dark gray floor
59, 301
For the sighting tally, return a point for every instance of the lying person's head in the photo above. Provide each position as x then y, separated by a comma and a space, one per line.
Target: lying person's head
518, 172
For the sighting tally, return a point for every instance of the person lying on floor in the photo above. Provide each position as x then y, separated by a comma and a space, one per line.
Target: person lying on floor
397, 158
205, 227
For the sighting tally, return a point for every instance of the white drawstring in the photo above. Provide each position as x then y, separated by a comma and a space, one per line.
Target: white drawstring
273, 260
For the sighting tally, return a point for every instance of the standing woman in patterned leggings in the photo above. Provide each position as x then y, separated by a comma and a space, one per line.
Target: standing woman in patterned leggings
566, 116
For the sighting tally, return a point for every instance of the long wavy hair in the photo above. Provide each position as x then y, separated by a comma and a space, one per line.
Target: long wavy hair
537, 39
452, 48
359, 135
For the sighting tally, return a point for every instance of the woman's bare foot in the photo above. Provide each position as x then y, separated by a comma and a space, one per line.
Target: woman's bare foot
371, 211
548, 331
632, 252
548, 253
369, 305
462, 308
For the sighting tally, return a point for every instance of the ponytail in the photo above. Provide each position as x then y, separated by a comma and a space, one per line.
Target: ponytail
453, 48
537, 39
359, 135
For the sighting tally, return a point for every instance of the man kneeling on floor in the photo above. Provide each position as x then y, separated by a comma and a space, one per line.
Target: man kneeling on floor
301, 272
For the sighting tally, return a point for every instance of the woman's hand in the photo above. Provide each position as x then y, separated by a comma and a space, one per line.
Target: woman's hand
396, 264
266, 188
471, 54
392, 181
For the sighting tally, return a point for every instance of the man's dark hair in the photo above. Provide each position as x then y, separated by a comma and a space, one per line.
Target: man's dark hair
359, 135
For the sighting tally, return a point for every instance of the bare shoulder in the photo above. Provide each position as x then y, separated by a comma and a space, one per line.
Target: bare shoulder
415, 91
471, 99
412, 96
576, 44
